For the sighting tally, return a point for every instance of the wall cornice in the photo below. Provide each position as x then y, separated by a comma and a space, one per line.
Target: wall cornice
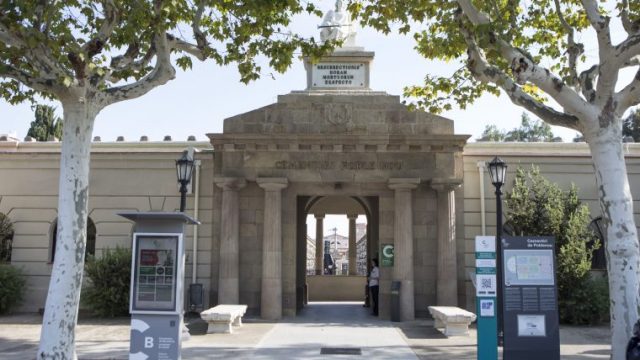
106, 147
486, 149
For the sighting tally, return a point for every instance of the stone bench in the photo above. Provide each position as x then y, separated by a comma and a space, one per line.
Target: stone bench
222, 317
454, 320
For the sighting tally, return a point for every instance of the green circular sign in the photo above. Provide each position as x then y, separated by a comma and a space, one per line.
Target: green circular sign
387, 251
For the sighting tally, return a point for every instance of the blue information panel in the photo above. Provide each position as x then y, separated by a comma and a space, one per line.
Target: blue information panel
486, 292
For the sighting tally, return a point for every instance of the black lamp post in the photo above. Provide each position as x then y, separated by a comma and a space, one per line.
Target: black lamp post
184, 168
498, 172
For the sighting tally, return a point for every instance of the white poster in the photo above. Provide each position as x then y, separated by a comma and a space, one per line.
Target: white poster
486, 285
485, 244
487, 308
531, 325
485, 263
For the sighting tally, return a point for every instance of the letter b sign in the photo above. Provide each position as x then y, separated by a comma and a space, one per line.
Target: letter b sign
148, 342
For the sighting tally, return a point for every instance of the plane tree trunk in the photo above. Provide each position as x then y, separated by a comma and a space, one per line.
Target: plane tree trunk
623, 255
57, 338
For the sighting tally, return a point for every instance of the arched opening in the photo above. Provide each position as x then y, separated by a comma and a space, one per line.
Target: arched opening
90, 249
599, 259
336, 247
344, 228
6, 238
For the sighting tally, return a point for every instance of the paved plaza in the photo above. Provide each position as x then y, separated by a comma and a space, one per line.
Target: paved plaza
322, 327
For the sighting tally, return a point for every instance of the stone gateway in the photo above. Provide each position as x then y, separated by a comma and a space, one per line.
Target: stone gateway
273, 164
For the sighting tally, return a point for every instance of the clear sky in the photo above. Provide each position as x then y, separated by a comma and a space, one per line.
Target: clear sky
197, 101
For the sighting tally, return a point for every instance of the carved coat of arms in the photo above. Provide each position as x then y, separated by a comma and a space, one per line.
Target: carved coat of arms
338, 114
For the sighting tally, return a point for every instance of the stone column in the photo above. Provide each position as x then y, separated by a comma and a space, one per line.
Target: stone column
403, 244
447, 275
228, 275
271, 292
353, 268
319, 244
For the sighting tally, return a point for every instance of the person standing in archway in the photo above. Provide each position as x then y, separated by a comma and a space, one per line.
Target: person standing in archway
374, 278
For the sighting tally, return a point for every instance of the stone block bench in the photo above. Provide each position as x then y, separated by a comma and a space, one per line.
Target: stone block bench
222, 317
454, 320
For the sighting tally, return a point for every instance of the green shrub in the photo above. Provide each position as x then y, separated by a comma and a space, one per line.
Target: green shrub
535, 206
588, 303
107, 291
12, 288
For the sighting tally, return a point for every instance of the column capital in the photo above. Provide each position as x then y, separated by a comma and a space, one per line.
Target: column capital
403, 183
445, 184
319, 216
230, 183
352, 216
272, 184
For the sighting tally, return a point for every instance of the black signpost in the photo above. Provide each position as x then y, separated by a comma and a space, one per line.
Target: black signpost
530, 303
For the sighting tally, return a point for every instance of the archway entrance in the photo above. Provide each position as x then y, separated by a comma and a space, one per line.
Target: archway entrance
330, 265
324, 152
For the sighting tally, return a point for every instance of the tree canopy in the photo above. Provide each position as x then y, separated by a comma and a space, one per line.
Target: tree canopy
47, 126
121, 49
631, 125
528, 131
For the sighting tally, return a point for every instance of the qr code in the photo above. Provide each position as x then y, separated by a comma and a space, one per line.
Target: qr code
485, 283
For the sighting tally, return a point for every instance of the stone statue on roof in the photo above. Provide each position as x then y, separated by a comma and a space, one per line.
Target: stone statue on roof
337, 25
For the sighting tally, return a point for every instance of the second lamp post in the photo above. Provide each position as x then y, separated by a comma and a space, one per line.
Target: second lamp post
184, 169
498, 172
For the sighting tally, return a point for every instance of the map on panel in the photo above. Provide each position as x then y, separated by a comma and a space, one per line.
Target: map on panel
529, 267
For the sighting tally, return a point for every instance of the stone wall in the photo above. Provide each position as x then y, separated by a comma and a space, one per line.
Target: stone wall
561, 163
133, 176
124, 177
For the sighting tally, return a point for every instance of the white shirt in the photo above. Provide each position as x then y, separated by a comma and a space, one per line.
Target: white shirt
374, 276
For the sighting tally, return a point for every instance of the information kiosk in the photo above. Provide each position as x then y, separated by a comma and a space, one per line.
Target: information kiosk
157, 284
531, 330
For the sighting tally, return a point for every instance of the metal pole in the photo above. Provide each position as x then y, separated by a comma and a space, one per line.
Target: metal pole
499, 265
183, 196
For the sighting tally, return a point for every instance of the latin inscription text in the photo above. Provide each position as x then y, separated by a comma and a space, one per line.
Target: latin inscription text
338, 75
338, 165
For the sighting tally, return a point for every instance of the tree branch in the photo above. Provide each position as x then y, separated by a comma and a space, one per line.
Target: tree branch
599, 23
484, 72
35, 83
9, 39
608, 69
127, 62
627, 49
95, 45
629, 26
473, 14
201, 39
523, 67
177, 44
587, 80
162, 72
199, 48
40, 57
630, 94
574, 50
